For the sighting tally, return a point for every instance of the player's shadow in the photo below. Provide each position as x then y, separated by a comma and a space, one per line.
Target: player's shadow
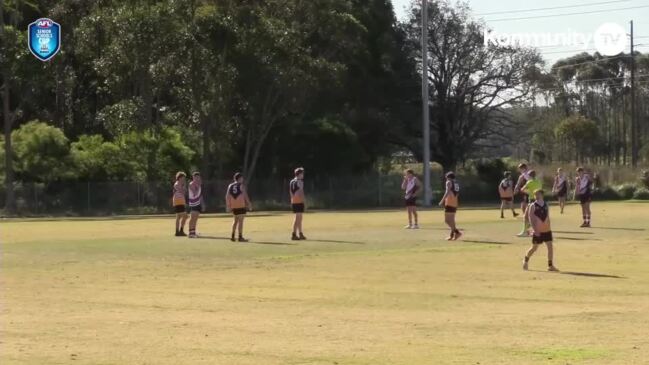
578, 239
582, 274
214, 238
621, 229
272, 243
571, 232
591, 275
487, 242
336, 241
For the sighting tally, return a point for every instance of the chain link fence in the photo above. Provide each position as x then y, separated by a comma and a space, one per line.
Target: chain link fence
112, 198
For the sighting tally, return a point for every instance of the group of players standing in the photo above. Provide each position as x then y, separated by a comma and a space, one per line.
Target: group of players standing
536, 212
237, 202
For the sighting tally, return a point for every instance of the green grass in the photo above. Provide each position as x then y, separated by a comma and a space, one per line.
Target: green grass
361, 291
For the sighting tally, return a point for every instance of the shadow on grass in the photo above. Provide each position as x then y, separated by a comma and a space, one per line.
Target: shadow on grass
591, 275
487, 242
577, 239
582, 274
621, 229
571, 232
272, 243
335, 241
213, 238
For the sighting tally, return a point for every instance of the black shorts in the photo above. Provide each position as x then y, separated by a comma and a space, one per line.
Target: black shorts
448, 209
542, 238
585, 198
506, 199
411, 202
239, 211
562, 193
525, 198
197, 208
179, 209
298, 208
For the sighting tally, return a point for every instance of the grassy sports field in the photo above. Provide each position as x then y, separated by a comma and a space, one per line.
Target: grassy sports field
361, 291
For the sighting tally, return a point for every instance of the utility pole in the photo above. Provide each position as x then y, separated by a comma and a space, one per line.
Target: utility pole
424, 103
634, 121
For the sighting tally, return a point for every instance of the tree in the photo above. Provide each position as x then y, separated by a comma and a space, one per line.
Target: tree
581, 132
42, 153
472, 85
20, 76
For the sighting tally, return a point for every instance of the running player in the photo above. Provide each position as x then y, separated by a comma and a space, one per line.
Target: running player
411, 186
296, 191
450, 202
530, 186
539, 215
560, 188
178, 201
237, 202
195, 203
584, 191
506, 191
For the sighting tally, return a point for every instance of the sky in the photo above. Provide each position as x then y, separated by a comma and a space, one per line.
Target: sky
586, 24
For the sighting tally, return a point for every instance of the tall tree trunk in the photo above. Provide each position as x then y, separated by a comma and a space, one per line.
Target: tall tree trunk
8, 119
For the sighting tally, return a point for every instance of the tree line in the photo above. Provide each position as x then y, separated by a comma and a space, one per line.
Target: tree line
144, 87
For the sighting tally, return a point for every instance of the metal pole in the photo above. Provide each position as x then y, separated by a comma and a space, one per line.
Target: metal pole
634, 122
424, 102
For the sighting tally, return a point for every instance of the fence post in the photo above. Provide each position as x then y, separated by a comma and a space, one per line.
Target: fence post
380, 190
88, 200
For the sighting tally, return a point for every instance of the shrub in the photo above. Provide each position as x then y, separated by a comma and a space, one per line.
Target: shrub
641, 194
607, 193
626, 191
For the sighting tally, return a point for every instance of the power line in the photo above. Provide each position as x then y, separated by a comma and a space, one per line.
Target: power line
567, 14
553, 8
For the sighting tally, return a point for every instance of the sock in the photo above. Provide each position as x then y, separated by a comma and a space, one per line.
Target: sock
550, 263
527, 259
192, 231
456, 231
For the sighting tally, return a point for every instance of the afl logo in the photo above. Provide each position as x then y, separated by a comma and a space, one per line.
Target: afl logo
44, 38
45, 23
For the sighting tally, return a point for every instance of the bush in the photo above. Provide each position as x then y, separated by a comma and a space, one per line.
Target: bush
626, 191
491, 171
607, 193
641, 194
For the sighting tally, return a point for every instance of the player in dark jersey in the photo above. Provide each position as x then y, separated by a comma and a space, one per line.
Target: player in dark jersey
506, 192
411, 186
539, 216
298, 203
584, 192
450, 203
237, 202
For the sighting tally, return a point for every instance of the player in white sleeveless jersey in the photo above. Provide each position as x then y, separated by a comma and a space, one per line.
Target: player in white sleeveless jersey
411, 186
195, 203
